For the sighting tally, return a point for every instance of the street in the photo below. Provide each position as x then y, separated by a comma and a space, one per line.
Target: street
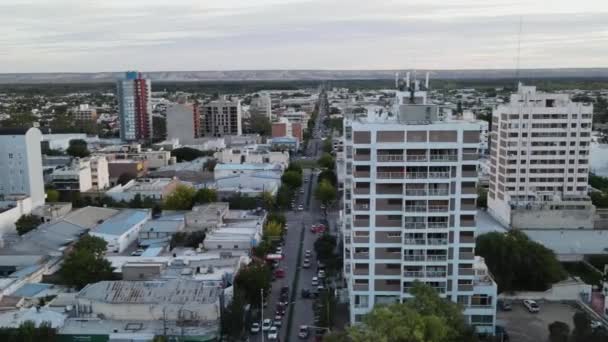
297, 221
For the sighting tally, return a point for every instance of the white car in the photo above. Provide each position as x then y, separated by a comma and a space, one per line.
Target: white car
273, 334
266, 324
279, 250
255, 328
307, 253
300, 207
321, 274
315, 281
531, 306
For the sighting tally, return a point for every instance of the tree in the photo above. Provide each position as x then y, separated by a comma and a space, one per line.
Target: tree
78, 148
559, 332
292, 179
424, 318
233, 318
189, 154
125, 178
241, 202
330, 175
336, 336
582, 327
326, 161
268, 200
187, 239
284, 196
205, 195
28, 332
210, 164
86, 263
328, 146
325, 192
27, 223
251, 279
261, 125
294, 167
182, 198
482, 197
273, 230
52, 195
519, 263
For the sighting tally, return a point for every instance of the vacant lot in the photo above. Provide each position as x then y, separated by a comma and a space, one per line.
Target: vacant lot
523, 326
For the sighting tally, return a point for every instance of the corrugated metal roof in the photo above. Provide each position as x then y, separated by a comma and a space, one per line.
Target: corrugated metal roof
121, 222
31, 290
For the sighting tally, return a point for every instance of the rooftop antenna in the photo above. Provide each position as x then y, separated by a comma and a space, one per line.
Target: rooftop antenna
518, 51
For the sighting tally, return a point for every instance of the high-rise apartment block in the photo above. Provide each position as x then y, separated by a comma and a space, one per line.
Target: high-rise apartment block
84, 114
410, 208
221, 117
183, 122
134, 107
540, 161
21, 164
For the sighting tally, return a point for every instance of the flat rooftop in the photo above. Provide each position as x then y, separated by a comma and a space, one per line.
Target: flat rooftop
121, 222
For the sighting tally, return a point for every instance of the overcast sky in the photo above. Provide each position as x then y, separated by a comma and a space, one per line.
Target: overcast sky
149, 35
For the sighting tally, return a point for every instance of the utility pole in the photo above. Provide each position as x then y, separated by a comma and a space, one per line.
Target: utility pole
262, 312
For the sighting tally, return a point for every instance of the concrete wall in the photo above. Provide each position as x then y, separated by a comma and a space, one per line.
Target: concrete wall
552, 219
567, 290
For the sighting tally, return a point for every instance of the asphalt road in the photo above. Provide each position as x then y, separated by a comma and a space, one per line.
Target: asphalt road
298, 220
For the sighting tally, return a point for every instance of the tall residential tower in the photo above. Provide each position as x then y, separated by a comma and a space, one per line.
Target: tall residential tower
540, 161
410, 208
134, 107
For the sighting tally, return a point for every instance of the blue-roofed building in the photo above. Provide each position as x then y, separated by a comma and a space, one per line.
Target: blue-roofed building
122, 229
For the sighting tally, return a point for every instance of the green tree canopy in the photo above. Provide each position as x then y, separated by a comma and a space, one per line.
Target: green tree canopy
78, 148
329, 175
294, 167
518, 263
325, 192
261, 125
182, 198
327, 146
205, 195
559, 332
326, 161
251, 279
241, 202
273, 230
52, 195
292, 179
28, 332
86, 263
233, 318
27, 223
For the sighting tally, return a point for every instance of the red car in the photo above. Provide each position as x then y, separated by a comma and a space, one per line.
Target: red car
317, 228
279, 273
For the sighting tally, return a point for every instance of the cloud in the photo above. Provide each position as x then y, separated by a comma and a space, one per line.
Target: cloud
112, 35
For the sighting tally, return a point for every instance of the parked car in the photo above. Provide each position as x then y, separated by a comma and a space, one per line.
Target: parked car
300, 207
315, 281
308, 253
321, 274
273, 334
505, 305
303, 331
138, 252
531, 305
306, 263
279, 273
266, 324
305, 293
278, 320
255, 328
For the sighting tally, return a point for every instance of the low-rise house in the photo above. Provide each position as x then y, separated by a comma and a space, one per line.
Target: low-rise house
122, 229
206, 216
253, 155
248, 184
161, 230
155, 188
224, 170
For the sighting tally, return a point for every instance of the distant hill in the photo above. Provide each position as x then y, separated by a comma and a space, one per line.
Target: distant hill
293, 75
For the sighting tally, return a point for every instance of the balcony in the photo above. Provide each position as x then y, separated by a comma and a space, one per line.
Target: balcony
469, 190
466, 271
414, 241
416, 175
467, 223
388, 207
438, 208
383, 221
361, 191
444, 158
390, 158
436, 274
413, 258
360, 287
361, 271
465, 287
440, 289
390, 175
470, 156
383, 254
361, 223
436, 258
413, 274
381, 286
438, 224
363, 256
437, 242
415, 208
466, 256
361, 174
416, 158
469, 174
414, 225
364, 207
468, 206
439, 192
384, 190
361, 239
467, 239
439, 175
383, 270
362, 157
415, 192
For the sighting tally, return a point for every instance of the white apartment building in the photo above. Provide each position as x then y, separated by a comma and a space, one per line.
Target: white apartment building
540, 161
21, 163
100, 175
221, 117
75, 177
410, 209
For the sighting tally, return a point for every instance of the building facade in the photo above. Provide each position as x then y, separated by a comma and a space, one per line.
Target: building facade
221, 117
410, 209
183, 122
84, 114
134, 107
539, 161
21, 163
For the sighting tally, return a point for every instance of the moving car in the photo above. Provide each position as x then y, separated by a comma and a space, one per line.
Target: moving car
303, 331
266, 324
255, 328
315, 281
306, 263
307, 253
273, 334
300, 207
531, 306
278, 320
